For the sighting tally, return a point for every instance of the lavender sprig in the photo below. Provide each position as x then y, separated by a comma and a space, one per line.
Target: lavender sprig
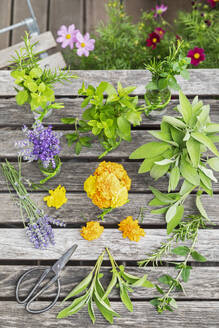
38, 226
41, 144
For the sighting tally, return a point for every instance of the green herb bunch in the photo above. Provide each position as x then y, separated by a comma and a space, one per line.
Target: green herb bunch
182, 152
108, 118
187, 231
200, 28
94, 292
165, 69
34, 85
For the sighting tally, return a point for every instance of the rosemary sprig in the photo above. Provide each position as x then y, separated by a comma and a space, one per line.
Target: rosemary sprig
187, 230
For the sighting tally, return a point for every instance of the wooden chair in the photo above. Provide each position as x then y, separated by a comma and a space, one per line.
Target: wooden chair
45, 41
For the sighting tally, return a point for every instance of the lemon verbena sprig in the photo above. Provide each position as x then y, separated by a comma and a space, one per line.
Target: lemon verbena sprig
93, 291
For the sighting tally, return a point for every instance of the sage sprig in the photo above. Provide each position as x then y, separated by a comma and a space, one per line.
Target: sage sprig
182, 153
187, 231
93, 291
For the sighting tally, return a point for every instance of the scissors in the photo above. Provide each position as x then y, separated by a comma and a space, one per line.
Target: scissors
37, 291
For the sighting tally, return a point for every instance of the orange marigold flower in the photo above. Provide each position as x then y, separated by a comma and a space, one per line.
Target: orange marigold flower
93, 230
109, 185
131, 229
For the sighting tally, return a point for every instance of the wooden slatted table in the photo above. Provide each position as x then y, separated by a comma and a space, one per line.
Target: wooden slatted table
199, 308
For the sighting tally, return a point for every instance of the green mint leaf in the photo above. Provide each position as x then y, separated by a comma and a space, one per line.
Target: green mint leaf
214, 163
181, 250
175, 219
149, 150
22, 97
186, 273
198, 257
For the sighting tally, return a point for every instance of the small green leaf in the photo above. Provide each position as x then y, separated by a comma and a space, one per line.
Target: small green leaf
181, 250
165, 279
193, 147
200, 207
198, 257
159, 210
189, 173
174, 178
185, 107
151, 86
125, 298
157, 171
91, 311
205, 141
149, 150
162, 83
22, 97
78, 147
36, 73
146, 165
124, 128
214, 163
161, 196
174, 122
68, 120
186, 273
81, 286
212, 128
176, 219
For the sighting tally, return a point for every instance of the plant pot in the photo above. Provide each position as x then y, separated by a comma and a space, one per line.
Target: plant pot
50, 172
156, 102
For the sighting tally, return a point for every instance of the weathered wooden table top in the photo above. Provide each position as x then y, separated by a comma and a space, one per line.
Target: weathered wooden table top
199, 308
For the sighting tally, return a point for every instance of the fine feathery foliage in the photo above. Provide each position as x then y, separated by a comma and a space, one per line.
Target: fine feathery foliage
107, 118
182, 153
34, 85
90, 291
187, 231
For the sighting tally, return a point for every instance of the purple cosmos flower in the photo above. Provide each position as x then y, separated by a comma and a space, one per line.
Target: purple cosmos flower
197, 55
153, 39
40, 232
67, 36
41, 143
160, 32
159, 10
84, 44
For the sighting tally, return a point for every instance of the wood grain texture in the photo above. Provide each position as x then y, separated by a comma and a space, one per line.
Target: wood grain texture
65, 12
45, 42
95, 13
21, 11
13, 115
139, 137
202, 284
80, 209
14, 244
5, 17
189, 315
54, 61
202, 82
74, 173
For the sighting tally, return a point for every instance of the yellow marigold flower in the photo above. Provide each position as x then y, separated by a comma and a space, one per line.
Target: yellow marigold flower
93, 230
109, 185
131, 229
57, 197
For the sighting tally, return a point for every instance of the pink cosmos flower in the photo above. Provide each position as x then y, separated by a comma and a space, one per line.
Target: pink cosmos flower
197, 55
160, 32
159, 10
212, 3
84, 44
153, 39
67, 36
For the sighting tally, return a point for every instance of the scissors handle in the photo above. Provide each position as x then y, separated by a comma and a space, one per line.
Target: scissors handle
29, 299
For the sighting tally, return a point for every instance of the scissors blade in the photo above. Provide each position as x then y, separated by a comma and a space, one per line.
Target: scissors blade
59, 265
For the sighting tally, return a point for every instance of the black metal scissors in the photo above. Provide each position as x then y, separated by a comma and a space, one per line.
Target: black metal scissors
36, 291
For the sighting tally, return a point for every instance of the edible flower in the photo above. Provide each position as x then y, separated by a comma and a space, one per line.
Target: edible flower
93, 230
197, 55
109, 186
160, 32
159, 10
41, 144
67, 36
57, 197
84, 44
153, 39
212, 3
131, 229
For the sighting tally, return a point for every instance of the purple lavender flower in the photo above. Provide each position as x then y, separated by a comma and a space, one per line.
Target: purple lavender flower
40, 233
41, 143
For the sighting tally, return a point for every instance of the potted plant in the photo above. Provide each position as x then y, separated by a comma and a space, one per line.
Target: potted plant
163, 71
34, 85
182, 153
